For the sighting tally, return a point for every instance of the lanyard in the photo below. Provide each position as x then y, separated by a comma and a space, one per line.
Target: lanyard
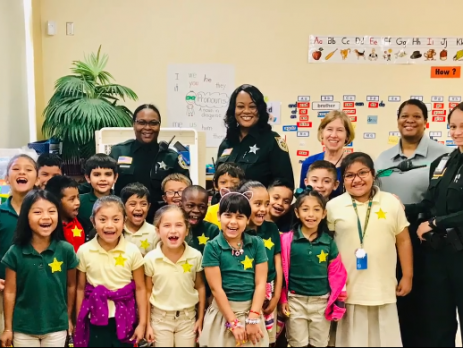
367, 219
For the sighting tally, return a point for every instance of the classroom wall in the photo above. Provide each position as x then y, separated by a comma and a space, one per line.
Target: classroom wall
266, 41
14, 121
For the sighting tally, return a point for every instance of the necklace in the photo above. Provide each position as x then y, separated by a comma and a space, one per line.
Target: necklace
236, 251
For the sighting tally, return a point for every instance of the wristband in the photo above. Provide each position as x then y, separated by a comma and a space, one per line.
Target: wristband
250, 321
254, 312
233, 325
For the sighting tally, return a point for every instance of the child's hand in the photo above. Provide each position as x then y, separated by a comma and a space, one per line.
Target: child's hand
284, 308
149, 335
2, 284
139, 334
7, 339
271, 306
254, 333
404, 287
198, 327
240, 335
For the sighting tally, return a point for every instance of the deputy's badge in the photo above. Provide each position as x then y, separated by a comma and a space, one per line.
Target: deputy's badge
282, 144
181, 162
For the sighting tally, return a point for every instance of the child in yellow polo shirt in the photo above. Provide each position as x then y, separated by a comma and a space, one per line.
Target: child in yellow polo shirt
228, 177
175, 281
40, 265
370, 230
136, 198
111, 294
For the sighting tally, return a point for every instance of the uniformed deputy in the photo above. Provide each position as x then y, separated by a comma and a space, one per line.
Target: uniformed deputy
410, 187
250, 141
144, 160
442, 236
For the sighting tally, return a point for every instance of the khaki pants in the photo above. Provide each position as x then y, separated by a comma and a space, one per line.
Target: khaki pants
55, 339
2, 313
307, 323
174, 328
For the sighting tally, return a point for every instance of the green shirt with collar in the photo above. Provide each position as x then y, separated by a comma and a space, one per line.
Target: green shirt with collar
8, 222
309, 262
263, 155
146, 164
41, 287
271, 237
200, 234
238, 272
87, 201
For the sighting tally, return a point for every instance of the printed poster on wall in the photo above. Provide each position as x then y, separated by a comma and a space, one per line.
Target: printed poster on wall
385, 50
198, 96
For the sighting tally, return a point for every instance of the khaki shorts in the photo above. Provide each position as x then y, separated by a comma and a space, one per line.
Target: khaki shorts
174, 328
307, 323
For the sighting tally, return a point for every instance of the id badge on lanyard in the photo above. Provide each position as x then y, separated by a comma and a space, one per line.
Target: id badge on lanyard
360, 254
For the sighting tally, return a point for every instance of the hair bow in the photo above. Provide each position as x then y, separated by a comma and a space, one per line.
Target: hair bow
300, 191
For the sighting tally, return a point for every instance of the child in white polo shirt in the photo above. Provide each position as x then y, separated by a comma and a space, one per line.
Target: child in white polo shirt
174, 278
136, 199
369, 224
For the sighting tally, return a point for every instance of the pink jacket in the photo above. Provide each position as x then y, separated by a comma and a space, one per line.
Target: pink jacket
337, 277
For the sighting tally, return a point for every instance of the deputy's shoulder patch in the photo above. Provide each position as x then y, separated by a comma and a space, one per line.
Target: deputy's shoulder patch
181, 162
282, 144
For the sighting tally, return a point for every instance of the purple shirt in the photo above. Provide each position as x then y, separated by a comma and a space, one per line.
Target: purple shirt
95, 304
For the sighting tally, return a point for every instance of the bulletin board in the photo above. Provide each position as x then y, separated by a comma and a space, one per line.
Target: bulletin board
268, 44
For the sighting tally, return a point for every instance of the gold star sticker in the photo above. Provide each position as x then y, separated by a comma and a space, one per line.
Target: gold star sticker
55, 265
247, 263
281, 232
145, 244
322, 257
186, 267
76, 232
268, 243
203, 239
120, 260
381, 214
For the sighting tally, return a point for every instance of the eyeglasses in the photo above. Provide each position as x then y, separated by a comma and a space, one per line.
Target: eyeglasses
362, 175
174, 193
152, 124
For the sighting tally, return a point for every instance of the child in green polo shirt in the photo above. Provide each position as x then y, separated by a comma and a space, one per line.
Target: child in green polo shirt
235, 264
280, 210
174, 280
137, 201
314, 276
270, 235
22, 177
101, 174
40, 277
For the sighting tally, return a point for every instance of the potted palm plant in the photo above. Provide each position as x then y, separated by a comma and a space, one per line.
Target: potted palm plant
84, 103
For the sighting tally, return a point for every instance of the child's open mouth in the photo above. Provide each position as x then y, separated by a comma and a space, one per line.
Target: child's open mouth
45, 226
173, 239
22, 181
109, 233
278, 209
194, 220
138, 216
260, 218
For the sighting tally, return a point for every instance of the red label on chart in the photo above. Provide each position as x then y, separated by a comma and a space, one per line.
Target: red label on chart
348, 150
302, 153
353, 118
303, 111
438, 106
442, 142
439, 112
349, 104
372, 104
303, 105
303, 118
304, 125
452, 105
350, 111
427, 125
438, 119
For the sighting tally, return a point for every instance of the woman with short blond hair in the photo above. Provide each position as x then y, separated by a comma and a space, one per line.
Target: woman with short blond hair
335, 132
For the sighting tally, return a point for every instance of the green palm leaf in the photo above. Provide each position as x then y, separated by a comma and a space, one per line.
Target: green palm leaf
84, 103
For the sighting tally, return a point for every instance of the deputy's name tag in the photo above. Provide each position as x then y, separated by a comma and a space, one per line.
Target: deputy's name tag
124, 160
439, 171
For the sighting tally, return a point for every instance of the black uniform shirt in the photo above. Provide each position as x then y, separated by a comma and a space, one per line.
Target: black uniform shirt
263, 156
144, 163
444, 197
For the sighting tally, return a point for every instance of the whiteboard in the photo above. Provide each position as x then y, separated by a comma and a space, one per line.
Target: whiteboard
198, 97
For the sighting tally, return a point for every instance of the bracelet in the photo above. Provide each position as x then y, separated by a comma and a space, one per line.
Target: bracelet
7, 331
250, 321
254, 312
233, 325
